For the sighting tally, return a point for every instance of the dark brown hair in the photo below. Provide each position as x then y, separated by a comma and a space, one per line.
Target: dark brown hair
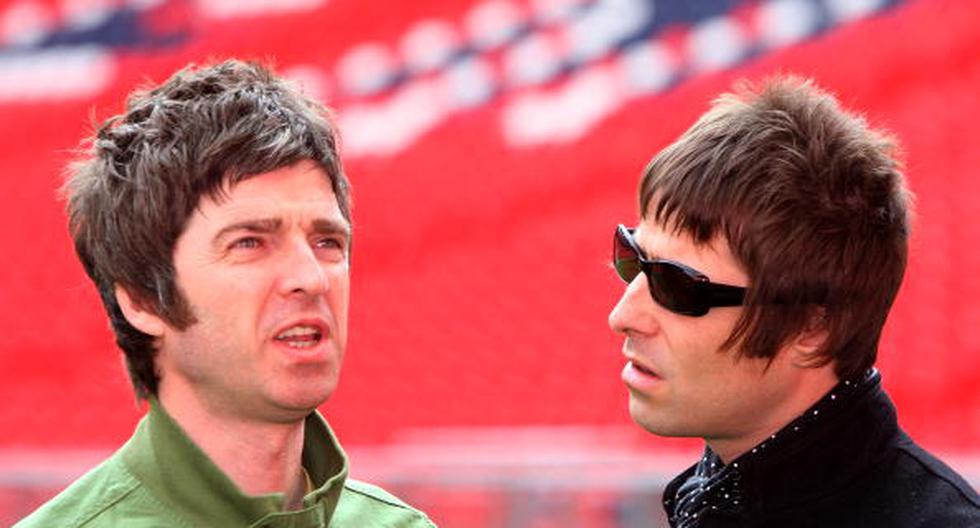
813, 205
144, 171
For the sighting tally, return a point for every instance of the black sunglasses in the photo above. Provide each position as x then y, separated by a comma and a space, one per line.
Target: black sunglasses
678, 288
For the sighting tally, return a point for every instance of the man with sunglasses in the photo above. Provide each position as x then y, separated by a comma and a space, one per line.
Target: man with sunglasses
772, 241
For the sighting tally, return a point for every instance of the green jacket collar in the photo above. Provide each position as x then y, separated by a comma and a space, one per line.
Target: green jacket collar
178, 473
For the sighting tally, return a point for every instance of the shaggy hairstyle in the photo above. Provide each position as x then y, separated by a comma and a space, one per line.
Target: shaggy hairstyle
144, 172
813, 205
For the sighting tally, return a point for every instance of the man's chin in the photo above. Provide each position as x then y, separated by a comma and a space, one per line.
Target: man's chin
653, 421
297, 406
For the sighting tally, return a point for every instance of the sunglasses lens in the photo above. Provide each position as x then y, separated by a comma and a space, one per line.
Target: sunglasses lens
670, 285
625, 259
675, 290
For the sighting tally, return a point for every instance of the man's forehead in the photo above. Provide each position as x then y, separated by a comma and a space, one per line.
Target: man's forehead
315, 209
302, 177
271, 205
246, 208
655, 238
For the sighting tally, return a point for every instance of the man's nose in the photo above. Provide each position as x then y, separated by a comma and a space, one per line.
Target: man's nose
302, 272
635, 311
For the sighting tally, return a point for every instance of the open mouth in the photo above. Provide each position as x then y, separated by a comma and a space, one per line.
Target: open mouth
643, 369
300, 336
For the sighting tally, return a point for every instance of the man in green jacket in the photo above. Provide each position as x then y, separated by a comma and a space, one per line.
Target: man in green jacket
214, 218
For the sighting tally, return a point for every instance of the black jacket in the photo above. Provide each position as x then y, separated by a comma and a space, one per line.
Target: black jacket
844, 463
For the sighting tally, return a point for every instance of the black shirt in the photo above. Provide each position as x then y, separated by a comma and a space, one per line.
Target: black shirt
844, 462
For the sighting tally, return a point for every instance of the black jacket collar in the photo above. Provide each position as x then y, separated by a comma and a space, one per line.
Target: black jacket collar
832, 443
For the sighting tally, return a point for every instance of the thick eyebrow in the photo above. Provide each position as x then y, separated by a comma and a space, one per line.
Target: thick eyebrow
326, 226
323, 226
261, 225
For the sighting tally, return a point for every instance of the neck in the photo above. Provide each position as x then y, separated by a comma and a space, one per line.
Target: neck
807, 390
259, 457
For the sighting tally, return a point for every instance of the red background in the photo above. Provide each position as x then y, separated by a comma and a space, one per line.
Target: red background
480, 277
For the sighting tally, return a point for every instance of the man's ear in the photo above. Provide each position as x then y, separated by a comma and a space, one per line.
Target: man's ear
805, 345
142, 319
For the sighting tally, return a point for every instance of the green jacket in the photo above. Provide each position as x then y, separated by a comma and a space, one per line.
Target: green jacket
160, 478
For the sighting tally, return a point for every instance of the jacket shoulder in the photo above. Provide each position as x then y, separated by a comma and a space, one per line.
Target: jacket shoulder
908, 488
107, 496
81, 503
366, 505
924, 479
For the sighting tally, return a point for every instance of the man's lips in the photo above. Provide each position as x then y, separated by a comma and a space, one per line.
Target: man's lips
639, 374
640, 378
303, 332
643, 369
641, 365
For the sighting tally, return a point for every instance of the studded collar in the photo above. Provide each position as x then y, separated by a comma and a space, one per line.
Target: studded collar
834, 441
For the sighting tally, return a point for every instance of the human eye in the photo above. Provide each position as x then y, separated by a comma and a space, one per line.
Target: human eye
333, 245
245, 242
329, 243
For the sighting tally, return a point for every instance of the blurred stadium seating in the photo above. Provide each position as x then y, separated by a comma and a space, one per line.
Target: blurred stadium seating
492, 145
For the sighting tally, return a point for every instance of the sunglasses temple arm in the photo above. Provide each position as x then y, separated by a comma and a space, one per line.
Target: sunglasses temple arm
724, 295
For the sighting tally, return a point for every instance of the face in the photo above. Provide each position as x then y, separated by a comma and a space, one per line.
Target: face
265, 270
680, 381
